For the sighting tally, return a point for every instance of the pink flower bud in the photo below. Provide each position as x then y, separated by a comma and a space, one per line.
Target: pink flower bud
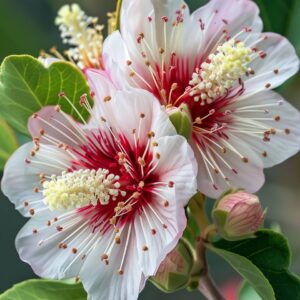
238, 215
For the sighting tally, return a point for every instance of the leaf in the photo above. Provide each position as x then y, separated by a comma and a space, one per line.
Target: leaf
292, 31
26, 86
248, 293
249, 271
40, 289
194, 4
8, 143
270, 253
276, 14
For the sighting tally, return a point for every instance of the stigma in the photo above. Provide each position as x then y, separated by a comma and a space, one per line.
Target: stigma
220, 71
81, 188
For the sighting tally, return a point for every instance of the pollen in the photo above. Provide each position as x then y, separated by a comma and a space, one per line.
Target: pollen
220, 71
83, 33
80, 188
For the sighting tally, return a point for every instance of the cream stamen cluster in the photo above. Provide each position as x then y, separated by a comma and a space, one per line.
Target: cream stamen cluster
219, 73
81, 188
83, 32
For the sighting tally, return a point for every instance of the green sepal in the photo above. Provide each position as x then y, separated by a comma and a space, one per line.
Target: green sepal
181, 119
175, 277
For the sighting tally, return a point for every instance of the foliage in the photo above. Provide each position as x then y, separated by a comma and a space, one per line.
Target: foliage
269, 253
26, 86
8, 142
38, 289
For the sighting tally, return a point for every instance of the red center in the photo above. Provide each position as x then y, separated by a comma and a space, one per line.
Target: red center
111, 156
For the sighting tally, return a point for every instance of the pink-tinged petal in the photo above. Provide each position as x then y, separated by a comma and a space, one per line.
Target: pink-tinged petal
55, 244
278, 63
102, 89
230, 164
269, 111
167, 13
138, 111
232, 16
52, 126
115, 56
177, 164
158, 229
102, 280
23, 172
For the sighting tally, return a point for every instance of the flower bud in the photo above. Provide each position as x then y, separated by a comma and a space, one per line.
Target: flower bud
174, 272
181, 119
238, 216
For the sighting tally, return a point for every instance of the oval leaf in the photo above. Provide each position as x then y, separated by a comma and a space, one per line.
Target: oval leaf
248, 271
26, 86
8, 143
270, 253
38, 289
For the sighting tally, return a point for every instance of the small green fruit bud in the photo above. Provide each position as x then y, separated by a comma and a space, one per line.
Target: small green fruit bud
181, 119
238, 216
174, 272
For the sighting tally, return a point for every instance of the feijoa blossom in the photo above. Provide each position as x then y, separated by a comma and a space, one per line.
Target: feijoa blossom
106, 198
218, 62
83, 33
238, 215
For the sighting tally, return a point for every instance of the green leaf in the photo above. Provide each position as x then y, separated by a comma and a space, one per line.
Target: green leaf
26, 86
247, 292
249, 271
39, 289
270, 253
8, 143
276, 14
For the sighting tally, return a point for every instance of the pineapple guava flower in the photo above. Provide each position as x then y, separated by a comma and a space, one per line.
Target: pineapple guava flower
83, 33
218, 63
106, 198
238, 215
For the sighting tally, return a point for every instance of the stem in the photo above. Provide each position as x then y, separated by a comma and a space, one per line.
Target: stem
118, 13
197, 209
206, 285
208, 289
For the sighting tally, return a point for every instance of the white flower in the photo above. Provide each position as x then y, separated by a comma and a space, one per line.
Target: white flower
83, 34
217, 61
106, 199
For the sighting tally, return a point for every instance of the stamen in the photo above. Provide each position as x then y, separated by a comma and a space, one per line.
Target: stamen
220, 72
80, 188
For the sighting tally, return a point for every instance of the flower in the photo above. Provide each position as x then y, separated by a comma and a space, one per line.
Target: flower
218, 63
238, 215
106, 198
83, 33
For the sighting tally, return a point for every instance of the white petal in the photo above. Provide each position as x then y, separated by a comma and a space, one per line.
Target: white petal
123, 113
177, 163
281, 145
230, 165
38, 244
155, 215
281, 56
230, 15
21, 178
115, 57
55, 125
102, 87
102, 281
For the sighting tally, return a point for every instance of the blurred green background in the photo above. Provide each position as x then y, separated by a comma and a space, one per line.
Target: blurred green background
27, 26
